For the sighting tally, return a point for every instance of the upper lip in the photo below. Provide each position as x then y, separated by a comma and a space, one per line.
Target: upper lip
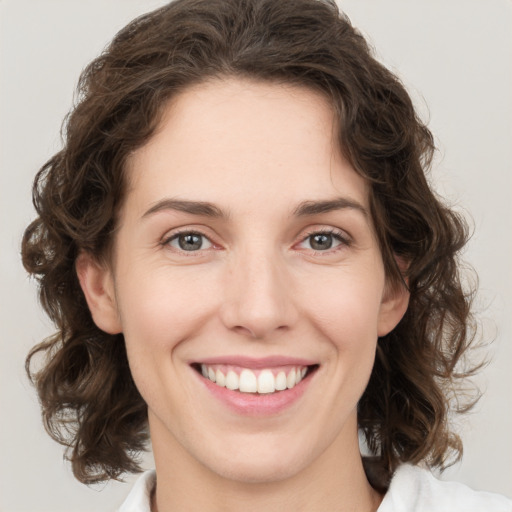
256, 363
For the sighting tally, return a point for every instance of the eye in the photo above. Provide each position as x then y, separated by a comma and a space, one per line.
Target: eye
189, 241
324, 240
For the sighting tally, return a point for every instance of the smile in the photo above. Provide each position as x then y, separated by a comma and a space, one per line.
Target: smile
256, 387
261, 381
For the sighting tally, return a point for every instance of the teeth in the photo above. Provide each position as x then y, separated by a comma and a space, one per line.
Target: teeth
232, 380
248, 382
281, 381
290, 380
266, 382
220, 379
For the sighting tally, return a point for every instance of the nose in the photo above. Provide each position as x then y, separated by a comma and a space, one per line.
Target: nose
258, 299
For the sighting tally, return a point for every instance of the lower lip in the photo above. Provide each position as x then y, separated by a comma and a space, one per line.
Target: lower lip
255, 404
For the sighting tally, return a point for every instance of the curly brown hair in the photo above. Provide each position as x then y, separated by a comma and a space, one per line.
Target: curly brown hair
88, 397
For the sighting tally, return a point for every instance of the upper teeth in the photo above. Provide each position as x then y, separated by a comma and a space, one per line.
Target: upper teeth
247, 381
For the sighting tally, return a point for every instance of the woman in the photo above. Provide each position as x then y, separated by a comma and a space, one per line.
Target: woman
244, 260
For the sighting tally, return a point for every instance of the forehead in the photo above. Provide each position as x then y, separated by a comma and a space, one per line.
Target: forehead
234, 141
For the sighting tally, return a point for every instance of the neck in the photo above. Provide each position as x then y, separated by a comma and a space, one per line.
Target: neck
335, 481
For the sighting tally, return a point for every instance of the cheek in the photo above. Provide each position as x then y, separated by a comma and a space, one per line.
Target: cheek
347, 310
161, 308
347, 318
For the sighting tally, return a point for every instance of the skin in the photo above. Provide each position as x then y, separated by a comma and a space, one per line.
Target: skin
256, 288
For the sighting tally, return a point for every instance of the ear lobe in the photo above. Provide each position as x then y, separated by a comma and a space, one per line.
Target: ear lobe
392, 308
97, 284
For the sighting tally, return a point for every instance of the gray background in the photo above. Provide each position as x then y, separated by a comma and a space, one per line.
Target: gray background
455, 56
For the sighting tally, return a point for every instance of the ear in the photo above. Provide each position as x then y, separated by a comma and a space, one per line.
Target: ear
392, 308
97, 283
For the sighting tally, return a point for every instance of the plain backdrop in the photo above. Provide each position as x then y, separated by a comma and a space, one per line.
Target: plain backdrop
455, 57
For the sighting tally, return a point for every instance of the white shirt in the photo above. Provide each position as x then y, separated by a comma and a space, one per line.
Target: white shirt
412, 489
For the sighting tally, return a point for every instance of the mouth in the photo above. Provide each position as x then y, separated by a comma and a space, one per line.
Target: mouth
255, 381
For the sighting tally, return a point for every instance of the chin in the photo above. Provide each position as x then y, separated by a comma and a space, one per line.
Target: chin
261, 461
257, 472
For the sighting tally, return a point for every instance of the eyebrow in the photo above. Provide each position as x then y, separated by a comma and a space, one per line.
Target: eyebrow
201, 208
206, 209
317, 207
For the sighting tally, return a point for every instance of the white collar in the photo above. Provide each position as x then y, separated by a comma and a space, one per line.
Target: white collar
412, 489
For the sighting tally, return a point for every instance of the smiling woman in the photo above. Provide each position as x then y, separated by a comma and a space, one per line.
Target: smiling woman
245, 263
285, 284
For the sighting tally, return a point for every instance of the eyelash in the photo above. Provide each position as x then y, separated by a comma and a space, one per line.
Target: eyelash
167, 240
337, 235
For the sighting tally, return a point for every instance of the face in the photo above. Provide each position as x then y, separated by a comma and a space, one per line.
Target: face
246, 255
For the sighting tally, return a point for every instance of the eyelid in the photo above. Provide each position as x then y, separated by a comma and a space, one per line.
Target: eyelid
342, 236
174, 234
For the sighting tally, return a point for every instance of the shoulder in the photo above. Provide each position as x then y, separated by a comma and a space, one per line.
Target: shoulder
414, 489
139, 499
